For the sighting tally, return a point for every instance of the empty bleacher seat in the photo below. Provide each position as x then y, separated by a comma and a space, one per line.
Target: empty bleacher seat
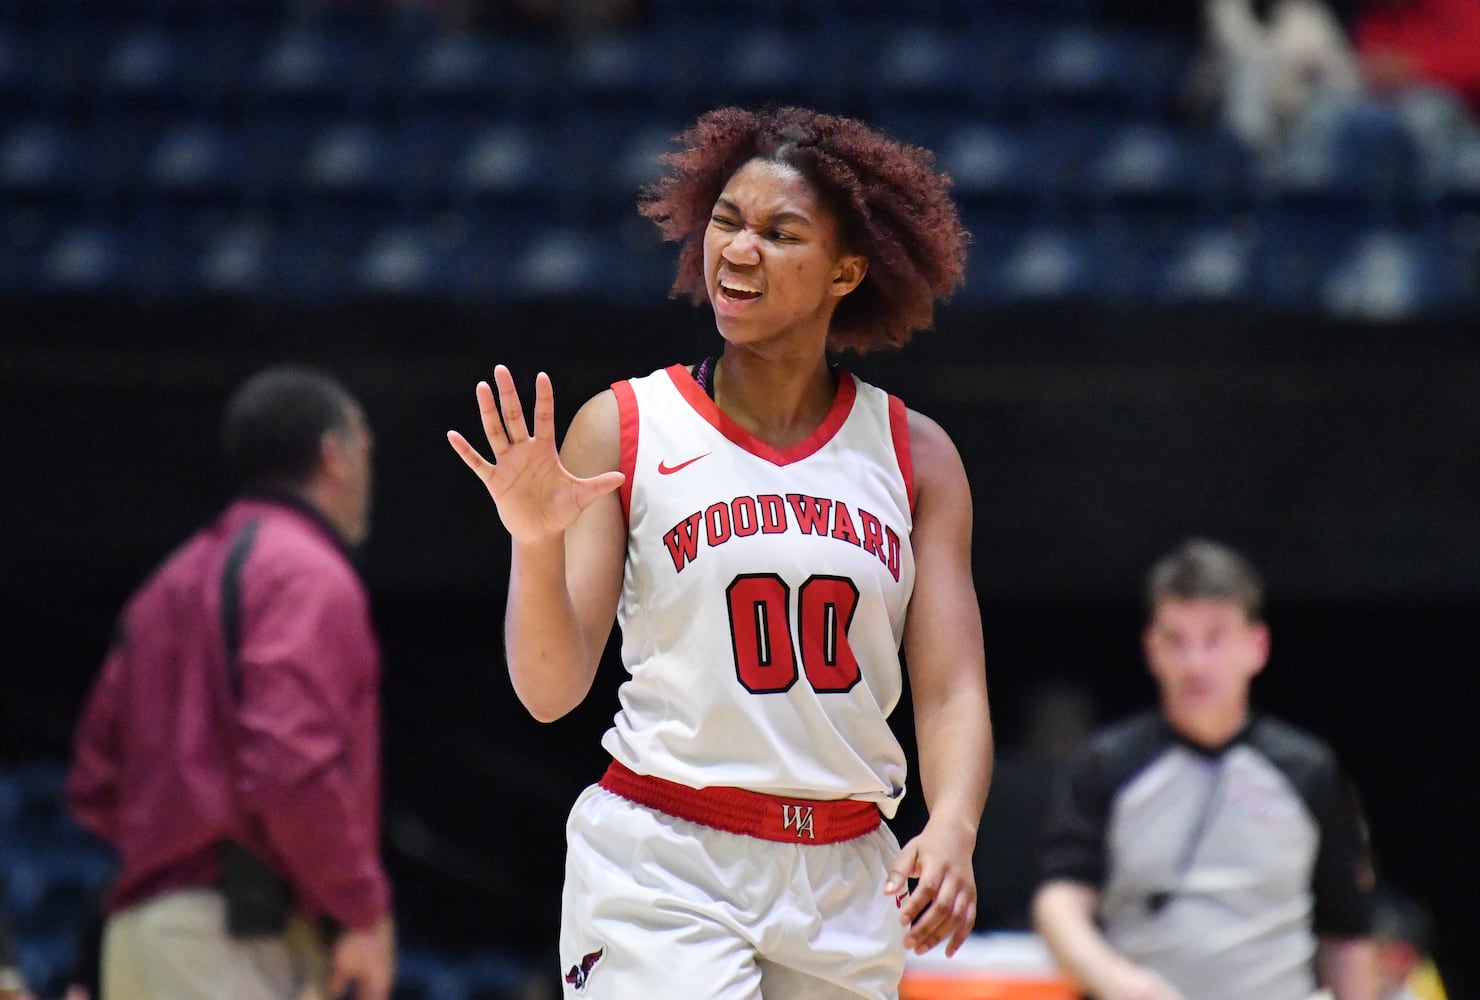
91, 258
1049, 264
934, 71
1387, 276
350, 162
405, 260
38, 161
235, 258
1214, 264
508, 165
1080, 68
559, 262
143, 71
308, 69
461, 73
628, 72
196, 162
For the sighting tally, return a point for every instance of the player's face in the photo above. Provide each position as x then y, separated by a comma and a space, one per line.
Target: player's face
772, 262
1204, 654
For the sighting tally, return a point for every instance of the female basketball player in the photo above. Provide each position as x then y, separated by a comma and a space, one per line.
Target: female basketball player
769, 530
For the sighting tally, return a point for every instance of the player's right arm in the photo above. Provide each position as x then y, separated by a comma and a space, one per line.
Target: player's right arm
568, 537
1064, 916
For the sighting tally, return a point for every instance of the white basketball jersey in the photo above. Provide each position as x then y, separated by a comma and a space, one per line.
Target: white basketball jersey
764, 596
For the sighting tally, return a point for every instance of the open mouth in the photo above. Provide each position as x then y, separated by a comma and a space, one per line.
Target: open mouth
737, 292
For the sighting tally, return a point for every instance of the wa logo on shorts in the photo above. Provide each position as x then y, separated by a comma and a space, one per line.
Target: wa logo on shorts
578, 974
798, 818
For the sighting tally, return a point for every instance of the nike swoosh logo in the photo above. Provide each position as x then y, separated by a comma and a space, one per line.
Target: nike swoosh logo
664, 469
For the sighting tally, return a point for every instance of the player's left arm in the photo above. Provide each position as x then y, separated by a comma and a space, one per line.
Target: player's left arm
944, 654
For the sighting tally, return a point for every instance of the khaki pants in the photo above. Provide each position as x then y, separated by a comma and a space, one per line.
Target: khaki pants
175, 947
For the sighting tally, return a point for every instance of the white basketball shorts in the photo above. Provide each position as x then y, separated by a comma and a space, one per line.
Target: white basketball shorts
661, 908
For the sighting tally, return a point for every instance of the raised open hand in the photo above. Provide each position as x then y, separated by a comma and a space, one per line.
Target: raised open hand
536, 496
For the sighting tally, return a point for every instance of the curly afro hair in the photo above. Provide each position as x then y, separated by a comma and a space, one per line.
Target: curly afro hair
891, 204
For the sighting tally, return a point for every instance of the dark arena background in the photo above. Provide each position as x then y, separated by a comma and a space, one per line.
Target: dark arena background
1161, 335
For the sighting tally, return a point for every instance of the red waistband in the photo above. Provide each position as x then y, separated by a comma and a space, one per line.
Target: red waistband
738, 810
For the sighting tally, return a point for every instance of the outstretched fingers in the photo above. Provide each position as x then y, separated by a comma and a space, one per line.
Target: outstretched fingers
481, 466
514, 428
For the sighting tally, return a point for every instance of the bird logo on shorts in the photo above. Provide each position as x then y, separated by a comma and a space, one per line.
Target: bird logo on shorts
578, 974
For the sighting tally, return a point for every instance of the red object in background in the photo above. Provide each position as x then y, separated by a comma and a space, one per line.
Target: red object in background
1438, 39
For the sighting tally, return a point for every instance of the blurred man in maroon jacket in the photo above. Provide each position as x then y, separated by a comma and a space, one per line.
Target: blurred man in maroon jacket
230, 749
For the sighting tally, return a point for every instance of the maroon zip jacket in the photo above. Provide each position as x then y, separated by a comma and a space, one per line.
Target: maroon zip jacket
167, 765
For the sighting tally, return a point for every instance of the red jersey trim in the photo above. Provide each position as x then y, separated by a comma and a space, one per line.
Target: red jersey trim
697, 398
899, 429
752, 814
627, 415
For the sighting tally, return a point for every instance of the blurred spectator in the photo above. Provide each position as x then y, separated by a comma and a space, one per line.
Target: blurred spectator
1404, 44
1404, 931
1265, 63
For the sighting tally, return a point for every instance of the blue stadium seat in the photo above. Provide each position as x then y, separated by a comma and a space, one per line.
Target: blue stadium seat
1213, 264
87, 258
628, 72
1049, 264
305, 69
1388, 276
508, 165
932, 70
559, 262
1083, 69
404, 260
990, 163
143, 72
1145, 162
236, 258
1041, 168
350, 163
466, 73
39, 161
196, 163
